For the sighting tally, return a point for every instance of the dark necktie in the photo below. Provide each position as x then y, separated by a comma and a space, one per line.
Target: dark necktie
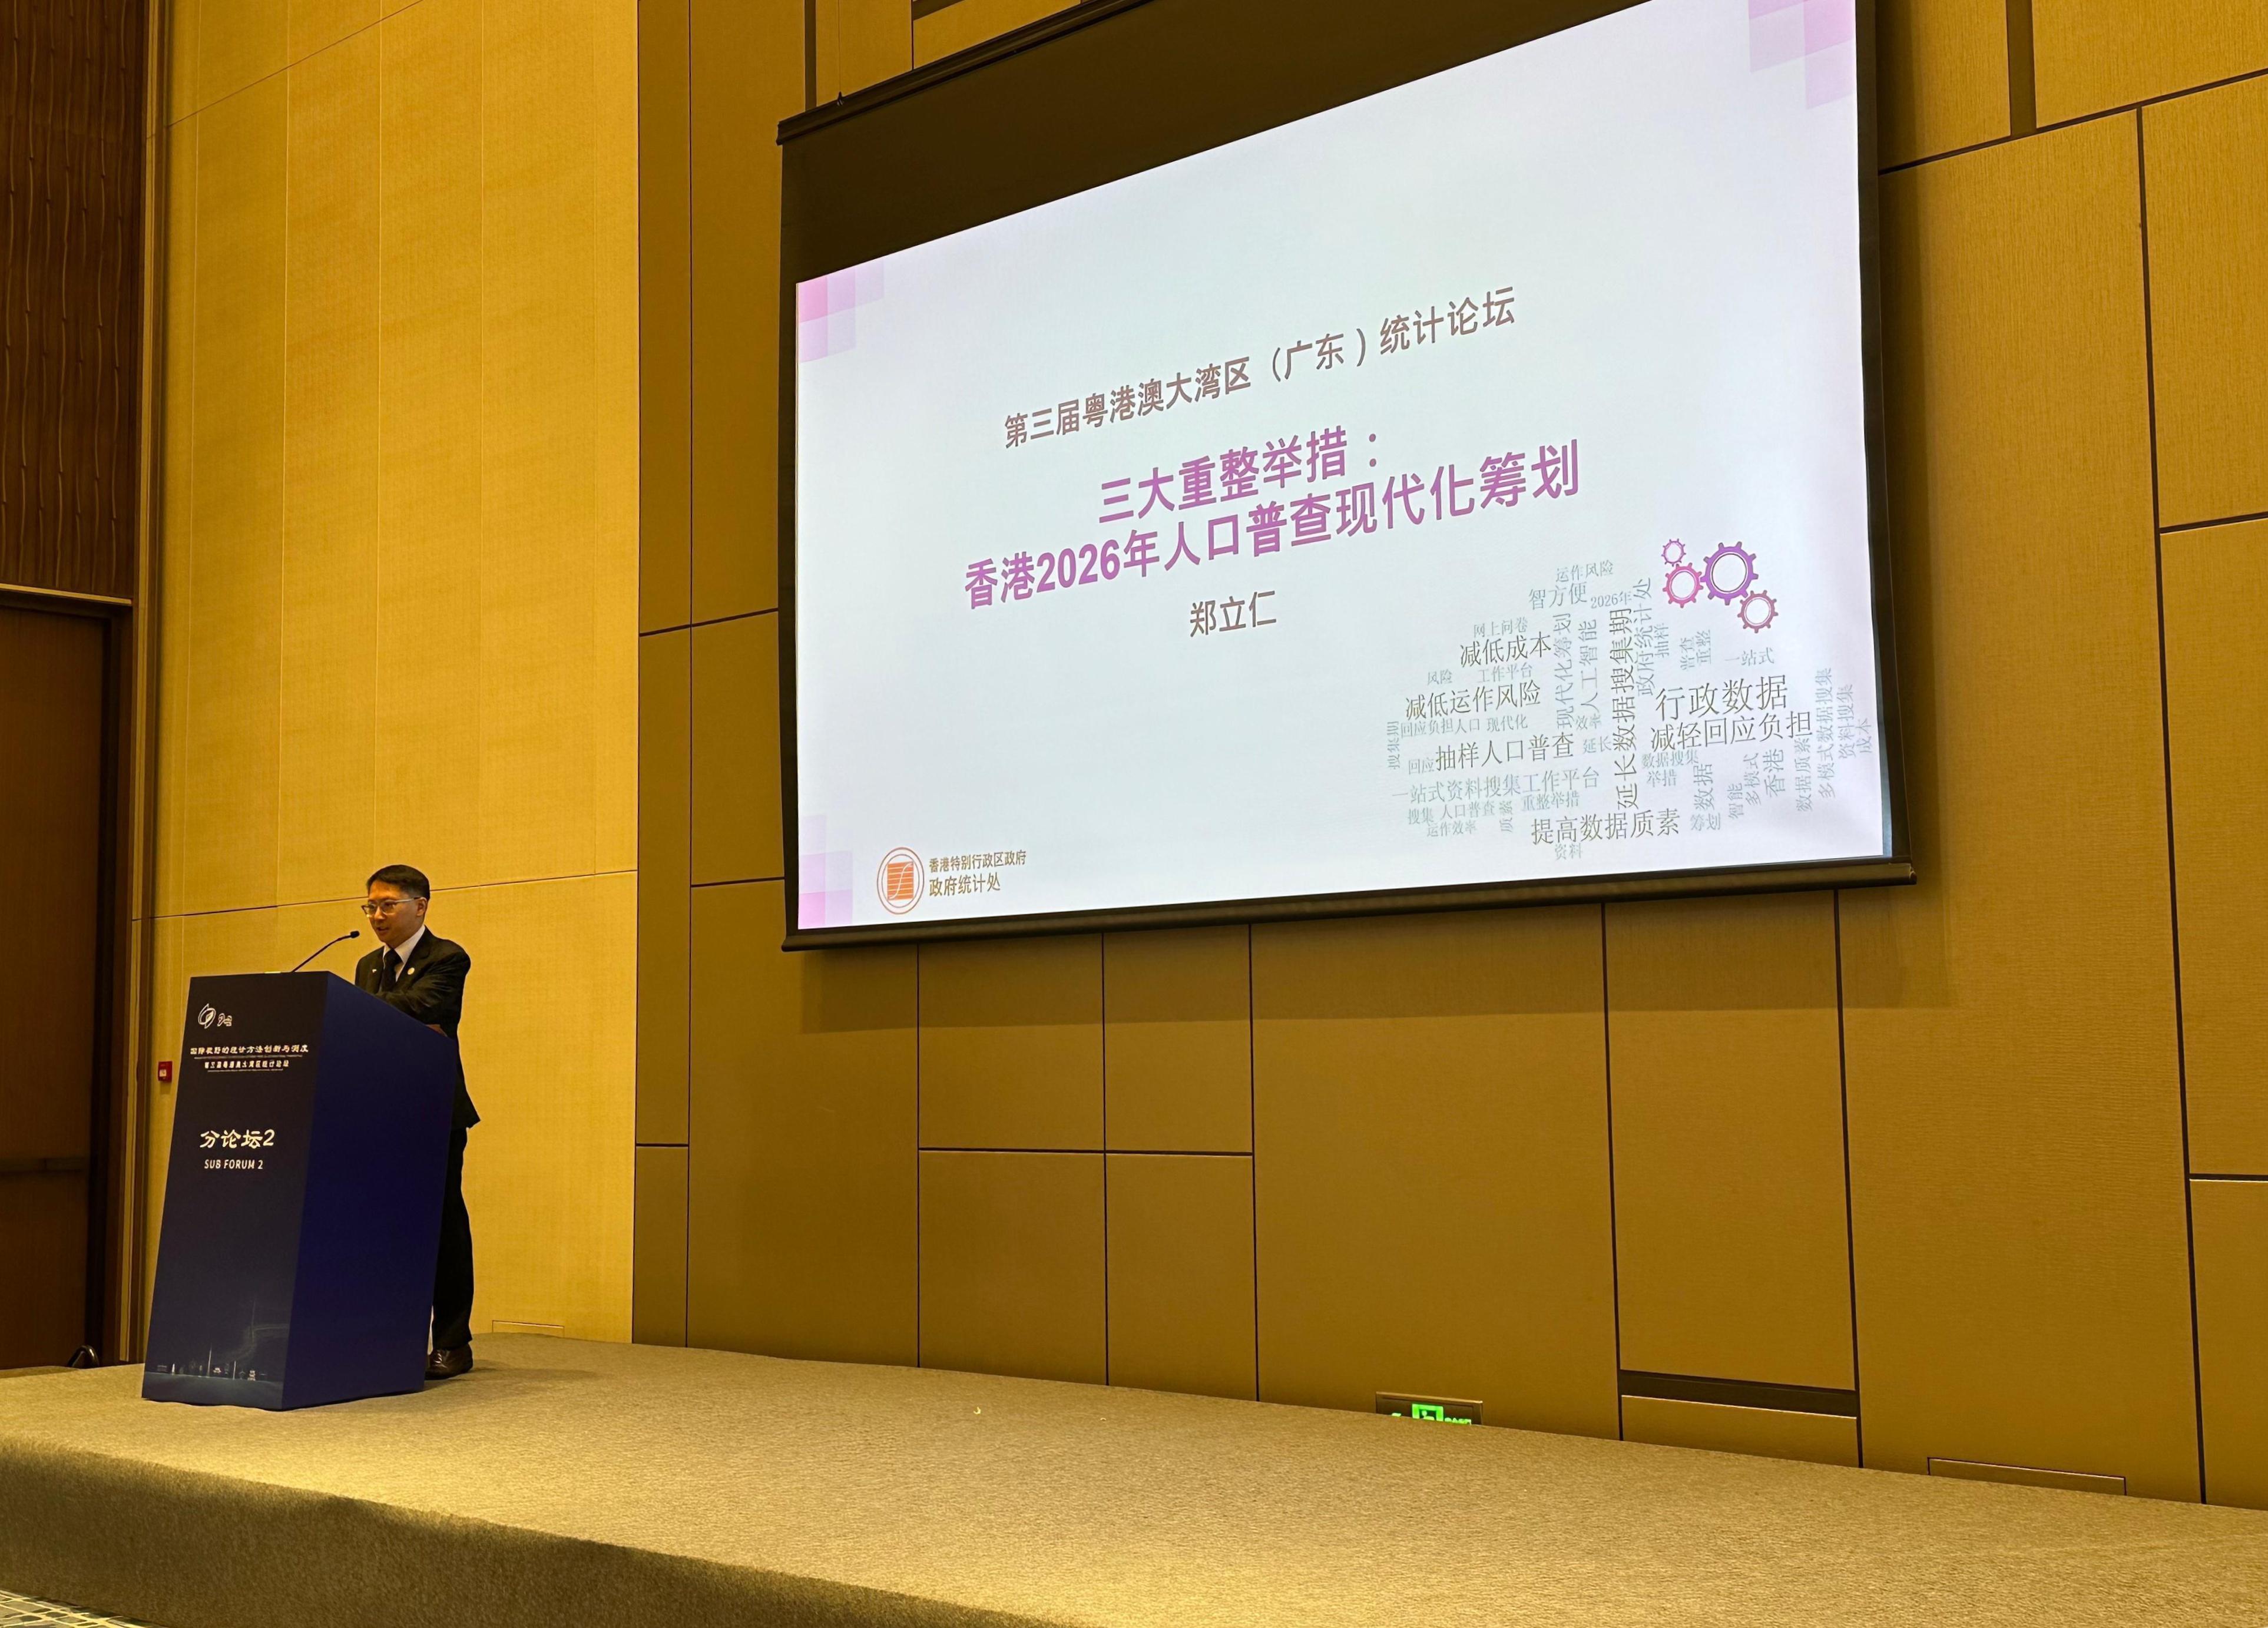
392, 964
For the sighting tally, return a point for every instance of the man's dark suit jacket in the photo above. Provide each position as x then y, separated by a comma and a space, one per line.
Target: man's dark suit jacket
431, 990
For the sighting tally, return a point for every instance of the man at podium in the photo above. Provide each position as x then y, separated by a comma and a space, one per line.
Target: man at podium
423, 975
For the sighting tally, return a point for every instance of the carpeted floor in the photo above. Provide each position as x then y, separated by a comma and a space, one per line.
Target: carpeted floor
570, 1483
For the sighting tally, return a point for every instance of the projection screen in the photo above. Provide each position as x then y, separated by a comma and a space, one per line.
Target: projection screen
1461, 494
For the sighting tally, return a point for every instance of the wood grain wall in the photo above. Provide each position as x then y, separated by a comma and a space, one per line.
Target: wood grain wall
398, 558
72, 76
74, 146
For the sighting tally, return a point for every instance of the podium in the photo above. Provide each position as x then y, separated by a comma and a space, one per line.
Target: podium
303, 1205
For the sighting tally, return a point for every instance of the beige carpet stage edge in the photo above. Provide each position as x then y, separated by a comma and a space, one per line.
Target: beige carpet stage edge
568, 1483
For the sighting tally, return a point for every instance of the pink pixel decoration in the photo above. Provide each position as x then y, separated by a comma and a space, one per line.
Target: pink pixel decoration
827, 310
822, 892
1821, 34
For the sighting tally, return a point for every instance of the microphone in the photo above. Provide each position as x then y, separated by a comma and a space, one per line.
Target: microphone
341, 939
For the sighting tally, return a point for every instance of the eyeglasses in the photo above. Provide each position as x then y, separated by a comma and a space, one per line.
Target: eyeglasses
386, 907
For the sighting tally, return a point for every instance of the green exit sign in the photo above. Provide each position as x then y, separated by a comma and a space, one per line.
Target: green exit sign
1439, 1409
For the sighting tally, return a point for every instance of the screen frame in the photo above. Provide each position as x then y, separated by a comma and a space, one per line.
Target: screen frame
825, 149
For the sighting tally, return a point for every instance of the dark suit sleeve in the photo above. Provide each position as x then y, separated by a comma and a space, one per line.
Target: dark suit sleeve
436, 994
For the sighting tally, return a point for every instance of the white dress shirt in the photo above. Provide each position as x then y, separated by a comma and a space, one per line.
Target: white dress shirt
408, 945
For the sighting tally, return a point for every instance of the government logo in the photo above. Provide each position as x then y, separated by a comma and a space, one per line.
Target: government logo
898, 880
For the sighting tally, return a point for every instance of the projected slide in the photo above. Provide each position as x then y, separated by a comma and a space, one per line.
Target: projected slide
1465, 485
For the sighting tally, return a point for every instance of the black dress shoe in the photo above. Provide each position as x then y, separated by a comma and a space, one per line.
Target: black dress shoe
446, 1364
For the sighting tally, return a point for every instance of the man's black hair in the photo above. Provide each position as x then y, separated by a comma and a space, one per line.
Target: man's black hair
409, 878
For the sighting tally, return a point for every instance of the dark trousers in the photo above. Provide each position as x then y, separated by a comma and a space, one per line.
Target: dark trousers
453, 1273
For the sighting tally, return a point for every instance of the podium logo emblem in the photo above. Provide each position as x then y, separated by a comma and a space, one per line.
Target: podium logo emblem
210, 1019
898, 882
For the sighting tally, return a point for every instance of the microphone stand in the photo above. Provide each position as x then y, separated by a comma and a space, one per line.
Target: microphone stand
341, 939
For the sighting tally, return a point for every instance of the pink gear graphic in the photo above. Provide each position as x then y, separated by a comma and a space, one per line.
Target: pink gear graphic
1746, 563
1682, 584
1759, 611
1673, 552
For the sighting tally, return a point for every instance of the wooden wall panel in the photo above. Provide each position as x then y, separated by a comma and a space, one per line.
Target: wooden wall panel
2216, 590
613, 412
658, 1261
826, 51
239, 43
539, 568
429, 768
2099, 53
1012, 1278
1942, 69
1432, 1167
313, 26
963, 22
221, 46
2208, 177
1177, 1040
548, 1042
802, 1172
665, 245
1767, 1433
185, 40
327, 694
1730, 1225
876, 38
1179, 1257
402, 304
2015, 1135
319, 24
175, 522
664, 875
168, 985
736, 751
236, 458
71, 149
747, 74
1012, 1043
2232, 1307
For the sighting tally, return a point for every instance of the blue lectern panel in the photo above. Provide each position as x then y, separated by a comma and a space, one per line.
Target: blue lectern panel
295, 1264
371, 1225
220, 1320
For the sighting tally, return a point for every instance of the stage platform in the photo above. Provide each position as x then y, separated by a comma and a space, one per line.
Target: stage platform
567, 1482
